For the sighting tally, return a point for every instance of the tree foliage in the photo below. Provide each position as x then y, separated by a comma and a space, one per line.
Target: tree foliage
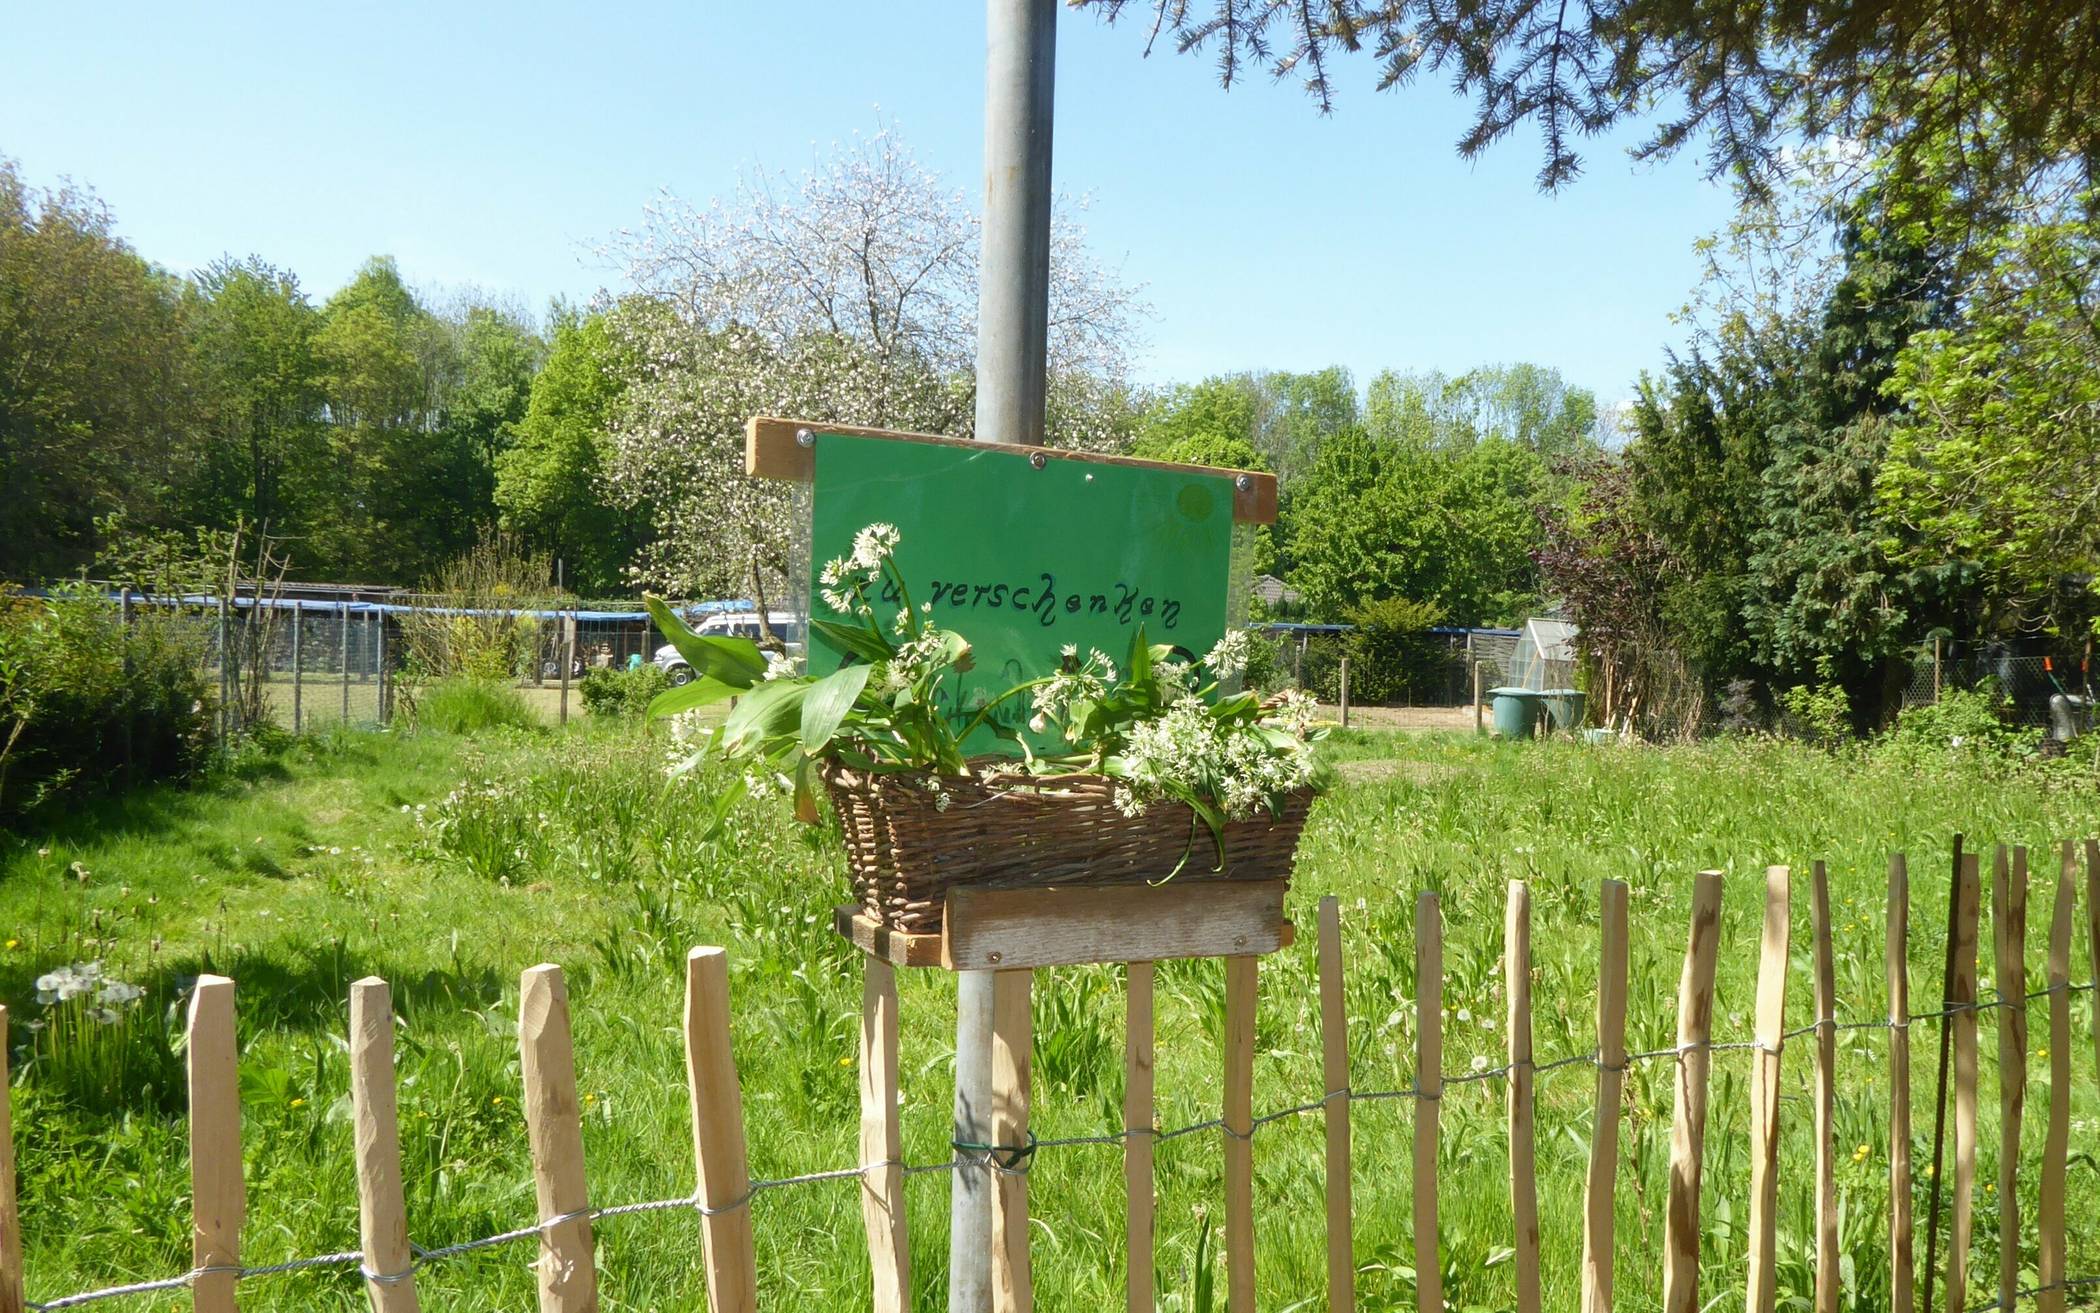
92, 411
1901, 77
550, 480
848, 296
1993, 471
1379, 519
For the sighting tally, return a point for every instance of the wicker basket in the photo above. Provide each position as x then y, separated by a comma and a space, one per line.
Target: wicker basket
905, 853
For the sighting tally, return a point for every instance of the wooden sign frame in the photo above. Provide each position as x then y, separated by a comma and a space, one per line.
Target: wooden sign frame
1053, 925
773, 449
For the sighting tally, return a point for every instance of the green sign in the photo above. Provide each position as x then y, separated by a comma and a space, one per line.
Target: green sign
1022, 561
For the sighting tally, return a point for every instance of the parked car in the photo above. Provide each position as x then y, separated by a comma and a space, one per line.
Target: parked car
731, 624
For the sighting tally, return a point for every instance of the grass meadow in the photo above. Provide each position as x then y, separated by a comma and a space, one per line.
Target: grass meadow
448, 864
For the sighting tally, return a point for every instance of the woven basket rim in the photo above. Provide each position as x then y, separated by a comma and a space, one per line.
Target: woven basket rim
854, 779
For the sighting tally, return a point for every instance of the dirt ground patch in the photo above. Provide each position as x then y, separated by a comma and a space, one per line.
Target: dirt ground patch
1401, 717
1388, 768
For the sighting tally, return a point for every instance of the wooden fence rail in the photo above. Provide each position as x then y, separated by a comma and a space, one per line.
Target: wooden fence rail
566, 1227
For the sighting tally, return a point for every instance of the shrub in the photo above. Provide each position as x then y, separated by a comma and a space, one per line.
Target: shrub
87, 701
1392, 655
620, 693
1821, 713
1963, 724
478, 623
467, 705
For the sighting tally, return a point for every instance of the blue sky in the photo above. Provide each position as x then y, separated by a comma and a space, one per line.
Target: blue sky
493, 144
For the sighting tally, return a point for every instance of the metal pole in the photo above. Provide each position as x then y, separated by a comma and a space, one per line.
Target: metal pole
1345, 692
1013, 332
298, 663
379, 665
124, 623
1478, 728
568, 659
343, 633
1013, 287
1935, 670
225, 700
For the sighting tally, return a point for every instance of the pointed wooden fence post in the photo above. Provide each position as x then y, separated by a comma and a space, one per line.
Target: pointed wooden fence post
2092, 931
1523, 1146
389, 1269
1013, 1038
1240, 996
1764, 1094
1137, 1140
1903, 1263
568, 1278
217, 1200
882, 1208
1967, 900
1334, 1069
1429, 1095
1598, 1232
2009, 942
1825, 986
724, 1195
13, 1298
2056, 1143
1695, 1032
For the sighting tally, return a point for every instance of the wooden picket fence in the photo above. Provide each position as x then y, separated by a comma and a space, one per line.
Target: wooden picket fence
564, 1231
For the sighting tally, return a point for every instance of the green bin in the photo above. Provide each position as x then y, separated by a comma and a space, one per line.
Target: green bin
1565, 705
1516, 712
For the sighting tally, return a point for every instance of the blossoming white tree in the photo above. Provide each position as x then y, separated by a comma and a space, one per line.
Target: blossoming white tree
849, 296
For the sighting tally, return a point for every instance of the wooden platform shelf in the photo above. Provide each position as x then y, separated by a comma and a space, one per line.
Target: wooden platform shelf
1053, 925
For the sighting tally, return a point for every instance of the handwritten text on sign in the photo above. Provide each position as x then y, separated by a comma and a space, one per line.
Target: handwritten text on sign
1022, 559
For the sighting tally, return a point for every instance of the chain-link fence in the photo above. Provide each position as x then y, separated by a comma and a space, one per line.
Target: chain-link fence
1424, 680
2045, 692
303, 665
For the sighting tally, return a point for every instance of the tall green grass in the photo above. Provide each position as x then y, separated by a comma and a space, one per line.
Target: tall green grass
465, 704
449, 864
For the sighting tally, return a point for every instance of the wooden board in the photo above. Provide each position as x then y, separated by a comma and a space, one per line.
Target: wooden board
1765, 1094
567, 1272
1137, 1143
1242, 980
1968, 897
1903, 1266
773, 451
1523, 1148
1600, 1192
1013, 1040
1334, 1069
882, 1141
1827, 1290
218, 1202
12, 1300
1008, 929
895, 947
1695, 1032
1429, 1091
2009, 948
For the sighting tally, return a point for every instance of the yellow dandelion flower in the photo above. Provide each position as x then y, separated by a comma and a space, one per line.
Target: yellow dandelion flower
298, 1103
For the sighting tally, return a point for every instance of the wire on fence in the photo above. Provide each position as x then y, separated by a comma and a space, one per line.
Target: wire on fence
1017, 1160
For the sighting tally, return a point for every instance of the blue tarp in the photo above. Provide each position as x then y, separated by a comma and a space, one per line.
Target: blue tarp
398, 608
1454, 631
